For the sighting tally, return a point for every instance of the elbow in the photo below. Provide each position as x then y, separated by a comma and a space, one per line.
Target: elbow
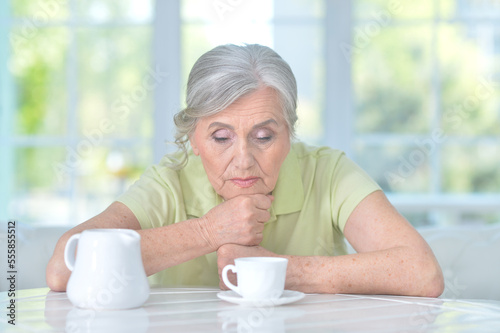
436, 284
432, 280
57, 273
56, 278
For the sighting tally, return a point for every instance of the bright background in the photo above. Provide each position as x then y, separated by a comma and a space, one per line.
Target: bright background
409, 89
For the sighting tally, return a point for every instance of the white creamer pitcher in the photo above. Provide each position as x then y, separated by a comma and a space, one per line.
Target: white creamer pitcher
107, 271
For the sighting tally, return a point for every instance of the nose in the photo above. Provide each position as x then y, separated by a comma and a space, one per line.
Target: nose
243, 156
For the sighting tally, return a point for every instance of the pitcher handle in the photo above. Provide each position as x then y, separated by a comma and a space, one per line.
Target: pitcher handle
69, 251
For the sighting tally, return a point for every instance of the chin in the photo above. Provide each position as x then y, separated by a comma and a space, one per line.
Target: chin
244, 191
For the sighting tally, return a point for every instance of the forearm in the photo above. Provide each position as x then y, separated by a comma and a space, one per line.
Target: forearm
397, 271
174, 244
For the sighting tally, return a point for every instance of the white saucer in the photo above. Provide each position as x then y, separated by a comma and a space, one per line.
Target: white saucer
288, 296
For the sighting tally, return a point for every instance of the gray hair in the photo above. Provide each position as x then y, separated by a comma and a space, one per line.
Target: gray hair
224, 74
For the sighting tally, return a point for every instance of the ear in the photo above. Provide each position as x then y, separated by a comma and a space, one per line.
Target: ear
193, 144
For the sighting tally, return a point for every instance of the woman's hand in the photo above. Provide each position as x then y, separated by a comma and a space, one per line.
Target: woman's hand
227, 253
239, 220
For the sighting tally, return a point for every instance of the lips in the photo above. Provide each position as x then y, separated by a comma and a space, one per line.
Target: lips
244, 182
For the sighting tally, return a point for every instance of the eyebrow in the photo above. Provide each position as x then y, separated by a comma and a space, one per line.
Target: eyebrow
264, 123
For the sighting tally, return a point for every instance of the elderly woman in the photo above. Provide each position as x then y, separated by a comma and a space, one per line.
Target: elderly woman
241, 186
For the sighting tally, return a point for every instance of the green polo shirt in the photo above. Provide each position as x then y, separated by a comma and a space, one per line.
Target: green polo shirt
316, 191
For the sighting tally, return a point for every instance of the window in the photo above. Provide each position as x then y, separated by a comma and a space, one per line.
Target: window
76, 121
409, 90
427, 112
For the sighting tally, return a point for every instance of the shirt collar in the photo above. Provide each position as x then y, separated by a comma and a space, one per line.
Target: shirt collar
200, 196
289, 192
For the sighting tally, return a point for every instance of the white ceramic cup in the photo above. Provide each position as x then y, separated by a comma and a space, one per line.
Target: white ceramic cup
259, 278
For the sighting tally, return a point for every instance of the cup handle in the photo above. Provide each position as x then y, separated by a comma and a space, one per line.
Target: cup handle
226, 280
69, 251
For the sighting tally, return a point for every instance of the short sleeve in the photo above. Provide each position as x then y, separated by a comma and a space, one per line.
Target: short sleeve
156, 198
350, 185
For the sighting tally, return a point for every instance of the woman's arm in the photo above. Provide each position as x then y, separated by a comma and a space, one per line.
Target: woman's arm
392, 257
239, 220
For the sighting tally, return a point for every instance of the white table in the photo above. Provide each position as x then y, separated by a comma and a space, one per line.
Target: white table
200, 310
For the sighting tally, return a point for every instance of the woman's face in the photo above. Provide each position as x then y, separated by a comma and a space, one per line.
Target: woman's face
242, 147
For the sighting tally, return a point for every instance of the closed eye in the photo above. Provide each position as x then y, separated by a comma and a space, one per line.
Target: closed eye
222, 135
263, 135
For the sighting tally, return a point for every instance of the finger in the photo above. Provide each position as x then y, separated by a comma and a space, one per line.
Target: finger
262, 201
257, 239
262, 216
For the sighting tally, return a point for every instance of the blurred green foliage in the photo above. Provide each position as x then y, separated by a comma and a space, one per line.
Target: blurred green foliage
32, 110
414, 74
